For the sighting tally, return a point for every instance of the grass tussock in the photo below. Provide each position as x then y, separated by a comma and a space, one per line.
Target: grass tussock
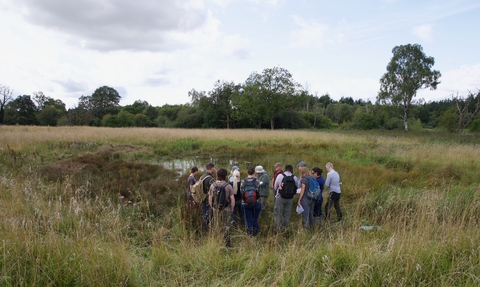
96, 207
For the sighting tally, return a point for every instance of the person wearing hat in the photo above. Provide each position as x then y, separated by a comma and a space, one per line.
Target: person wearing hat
230, 177
277, 170
264, 187
301, 164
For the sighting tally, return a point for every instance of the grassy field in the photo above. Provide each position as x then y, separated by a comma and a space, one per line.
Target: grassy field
83, 206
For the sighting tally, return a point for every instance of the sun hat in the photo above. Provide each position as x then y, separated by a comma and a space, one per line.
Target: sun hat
259, 169
277, 164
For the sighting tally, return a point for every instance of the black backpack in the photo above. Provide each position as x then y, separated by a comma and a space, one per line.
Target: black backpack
221, 200
288, 187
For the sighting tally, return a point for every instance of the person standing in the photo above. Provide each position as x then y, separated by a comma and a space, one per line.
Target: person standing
277, 170
333, 183
191, 180
251, 204
301, 164
222, 202
234, 168
317, 208
237, 214
285, 188
303, 201
208, 179
264, 185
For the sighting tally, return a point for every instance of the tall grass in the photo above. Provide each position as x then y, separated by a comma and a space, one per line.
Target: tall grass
90, 207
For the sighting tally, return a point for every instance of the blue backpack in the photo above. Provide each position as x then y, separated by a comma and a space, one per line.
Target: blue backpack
314, 191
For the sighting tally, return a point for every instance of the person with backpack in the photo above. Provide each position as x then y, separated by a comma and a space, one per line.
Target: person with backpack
285, 188
237, 214
263, 189
333, 183
207, 180
222, 203
277, 170
317, 208
306, 200
251, 204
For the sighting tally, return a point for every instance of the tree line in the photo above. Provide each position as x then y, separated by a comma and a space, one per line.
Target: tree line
268, 100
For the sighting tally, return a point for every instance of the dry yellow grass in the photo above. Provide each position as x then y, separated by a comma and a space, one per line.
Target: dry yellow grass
19, 136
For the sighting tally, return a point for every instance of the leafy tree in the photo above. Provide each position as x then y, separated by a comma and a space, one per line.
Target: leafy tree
449, 120
247, 107
49, 116
5, 97
347, 100
137, 107
49, 110
78, 116
323, 102
340, 113
124, 119
105, 100
23, 111
141, 120
474, 126
151, 112
408, 71
221, 101
363, 120
274, 91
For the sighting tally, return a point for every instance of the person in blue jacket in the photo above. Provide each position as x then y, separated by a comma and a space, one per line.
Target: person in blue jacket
317, 209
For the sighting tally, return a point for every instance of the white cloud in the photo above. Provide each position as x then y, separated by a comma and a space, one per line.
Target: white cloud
142, 25
308, 34
465, 78
423, 32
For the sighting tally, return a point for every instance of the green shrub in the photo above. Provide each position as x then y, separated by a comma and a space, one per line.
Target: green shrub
474, 126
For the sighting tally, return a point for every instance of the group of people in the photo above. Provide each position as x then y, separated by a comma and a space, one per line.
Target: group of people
232, 200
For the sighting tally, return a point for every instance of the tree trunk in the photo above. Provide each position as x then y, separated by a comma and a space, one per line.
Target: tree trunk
405, 119
271, 123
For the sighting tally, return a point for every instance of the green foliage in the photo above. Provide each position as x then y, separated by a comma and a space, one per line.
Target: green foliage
340, 113
363, 121
449, 121
474, 126
415, 124
21, 111
264, 95
317, 121
408, 71
393, 123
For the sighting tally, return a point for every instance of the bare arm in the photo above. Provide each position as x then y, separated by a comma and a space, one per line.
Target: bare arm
301, 194
232, 203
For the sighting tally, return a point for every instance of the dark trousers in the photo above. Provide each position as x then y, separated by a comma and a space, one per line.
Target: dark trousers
317, 208
237, 214
333, 199
205, 215
252, 212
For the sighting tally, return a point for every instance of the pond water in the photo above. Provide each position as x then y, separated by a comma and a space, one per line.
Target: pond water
183, 165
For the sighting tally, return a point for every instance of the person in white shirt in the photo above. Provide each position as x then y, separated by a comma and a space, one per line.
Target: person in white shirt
333, 183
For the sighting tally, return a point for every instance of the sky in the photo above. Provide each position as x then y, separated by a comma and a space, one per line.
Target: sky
159, 50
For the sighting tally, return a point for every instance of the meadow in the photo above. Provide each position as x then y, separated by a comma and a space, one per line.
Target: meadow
85, 206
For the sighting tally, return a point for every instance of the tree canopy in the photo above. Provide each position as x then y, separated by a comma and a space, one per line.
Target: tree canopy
408, 71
